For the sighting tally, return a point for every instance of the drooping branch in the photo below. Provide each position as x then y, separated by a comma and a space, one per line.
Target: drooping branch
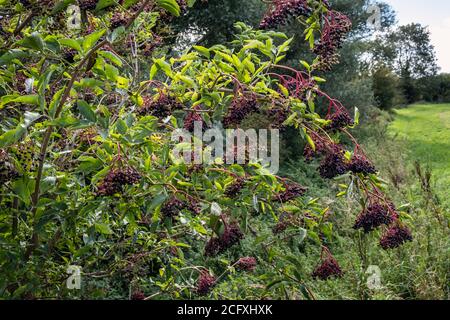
48, 133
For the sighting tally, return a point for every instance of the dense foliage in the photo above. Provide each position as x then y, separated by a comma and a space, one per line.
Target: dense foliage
88, 172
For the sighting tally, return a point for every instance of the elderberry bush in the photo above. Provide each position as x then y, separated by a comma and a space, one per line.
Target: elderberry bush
90, 174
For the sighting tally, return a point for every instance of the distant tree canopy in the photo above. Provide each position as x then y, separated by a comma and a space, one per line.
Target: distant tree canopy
407, 50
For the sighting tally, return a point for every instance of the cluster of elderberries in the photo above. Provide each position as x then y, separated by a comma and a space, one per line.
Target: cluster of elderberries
87, 4
328, 268
246, 264
174, 206
233, 190
278, 116
231, 236
161, 108
336, 27
191, 118
292, 191
282, 11
240, 108
360, 164
205, 283
8, 171
119, 19
395, 236
374, 216
333, 164
285, 221
116, 179
138, 295
320, 144
340, 120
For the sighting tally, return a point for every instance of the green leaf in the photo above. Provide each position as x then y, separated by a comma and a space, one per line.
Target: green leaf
102, 4
103, 228
204, 51
171, 6
111, 57
86, 111
71, 43
34, 41
91, 40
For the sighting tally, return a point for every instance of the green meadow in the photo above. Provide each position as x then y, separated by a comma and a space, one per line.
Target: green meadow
426, 130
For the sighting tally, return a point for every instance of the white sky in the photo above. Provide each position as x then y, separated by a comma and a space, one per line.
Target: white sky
436, 15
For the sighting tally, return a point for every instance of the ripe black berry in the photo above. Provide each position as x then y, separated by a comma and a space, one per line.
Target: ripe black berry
336, 26
213, 247
161, 108
172, 207
374, 216
333, 164
328, 268
284, 222
246, 264
138, 295
231, 236
193, 117
360, 164
278, 116
205, 283
239, 109
292, 191
87, 4
282, 11
233, 190
395, 236
340, 120
116, 179
118, 20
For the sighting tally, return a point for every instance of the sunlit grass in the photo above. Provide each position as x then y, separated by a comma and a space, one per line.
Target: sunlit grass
426, 128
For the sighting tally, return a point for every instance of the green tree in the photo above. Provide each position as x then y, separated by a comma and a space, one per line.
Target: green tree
385, 87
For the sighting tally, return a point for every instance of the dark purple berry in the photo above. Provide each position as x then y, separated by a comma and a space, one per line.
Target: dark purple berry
233, 190
138, 295
205, 283
172, 208
282, 10
231, 236
118, 20
340, 120
161, 108
116, 179
333, 164
213, 247
88, 4
395, 236
246, 264
328, 268
360, 164
373, 217
191, 118
292, 191
8, 171
239, 109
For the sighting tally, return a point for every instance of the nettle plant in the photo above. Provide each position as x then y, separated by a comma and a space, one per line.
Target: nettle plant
87, 171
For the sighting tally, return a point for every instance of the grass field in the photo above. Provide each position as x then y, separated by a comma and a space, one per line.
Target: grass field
426, 129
